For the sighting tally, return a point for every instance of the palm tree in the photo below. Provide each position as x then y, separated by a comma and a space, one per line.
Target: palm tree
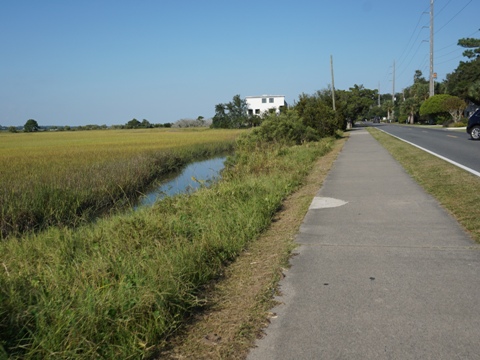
388, 106
410, 107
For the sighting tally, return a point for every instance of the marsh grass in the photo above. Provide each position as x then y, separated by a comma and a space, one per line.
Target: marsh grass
68, 178
119, 288
456, 189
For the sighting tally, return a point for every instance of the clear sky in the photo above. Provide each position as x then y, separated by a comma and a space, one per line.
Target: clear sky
78, 62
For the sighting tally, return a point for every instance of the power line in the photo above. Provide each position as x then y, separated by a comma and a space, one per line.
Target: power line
446, 47
406, 57
447, 61
423, 64
454, 44
411, 36
438, 13
411, 58
401, 61
410, 45
451, 52
453, 17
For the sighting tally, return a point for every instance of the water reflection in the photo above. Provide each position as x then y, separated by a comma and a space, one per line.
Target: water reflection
191, 178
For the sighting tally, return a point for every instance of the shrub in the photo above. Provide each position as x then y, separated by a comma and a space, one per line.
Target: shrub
461, 123
319, 115
286, 129
443, 107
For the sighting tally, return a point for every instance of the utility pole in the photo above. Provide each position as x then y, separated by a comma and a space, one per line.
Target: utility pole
393, 92
432, 75
333, 82
379, 94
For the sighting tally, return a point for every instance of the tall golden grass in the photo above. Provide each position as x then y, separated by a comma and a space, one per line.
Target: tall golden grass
66, 178
119, 287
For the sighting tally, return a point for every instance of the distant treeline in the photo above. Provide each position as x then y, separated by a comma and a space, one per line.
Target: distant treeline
129, 125
32, 126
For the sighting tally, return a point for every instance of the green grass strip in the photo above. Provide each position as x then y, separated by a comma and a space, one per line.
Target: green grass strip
456, 189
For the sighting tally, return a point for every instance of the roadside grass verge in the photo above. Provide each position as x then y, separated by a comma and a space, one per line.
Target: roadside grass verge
69, 178
120, 287
457, 190
238, 306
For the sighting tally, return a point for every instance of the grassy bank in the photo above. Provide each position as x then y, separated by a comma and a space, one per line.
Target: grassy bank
239, 305
119, 288
66, 178
457, 190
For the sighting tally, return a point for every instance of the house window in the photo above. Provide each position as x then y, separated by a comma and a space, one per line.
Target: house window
270, 100
250, 112
257, 111
264, 100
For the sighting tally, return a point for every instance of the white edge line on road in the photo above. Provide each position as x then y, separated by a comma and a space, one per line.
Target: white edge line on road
435, 154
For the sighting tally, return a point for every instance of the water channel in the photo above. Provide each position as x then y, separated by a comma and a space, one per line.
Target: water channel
200, 173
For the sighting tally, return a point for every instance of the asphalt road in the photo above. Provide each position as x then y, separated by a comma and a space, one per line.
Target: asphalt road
455, 145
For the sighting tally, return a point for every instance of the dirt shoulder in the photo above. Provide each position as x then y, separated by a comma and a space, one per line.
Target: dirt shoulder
238, 305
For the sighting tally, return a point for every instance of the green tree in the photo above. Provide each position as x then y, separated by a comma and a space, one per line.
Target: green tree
388, 107
410, 107
376, 112
133, 124
145, 124
237, 111
12, 129
318, 114
356, 102
474, 92
220, 119
441, 105
433, 105
232, 115
473, 47
284, 128
418, 78
414, 95
460, 82
31, 125
420, 88
463, 82
455, 107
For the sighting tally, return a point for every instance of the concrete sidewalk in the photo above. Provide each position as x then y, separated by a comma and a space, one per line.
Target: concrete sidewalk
382, 271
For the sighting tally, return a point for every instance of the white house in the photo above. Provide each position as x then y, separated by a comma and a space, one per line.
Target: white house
257, 105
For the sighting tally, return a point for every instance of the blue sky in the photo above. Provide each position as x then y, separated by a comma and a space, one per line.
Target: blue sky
72, 62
